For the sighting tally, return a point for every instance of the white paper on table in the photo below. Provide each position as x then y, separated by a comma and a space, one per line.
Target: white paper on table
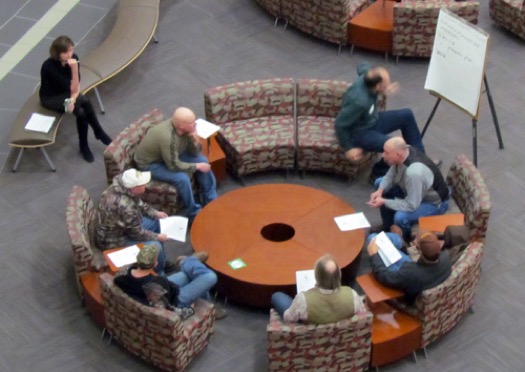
125, 256
305, 280
40, 123
352, 221
175, 227
388, 252
205, 129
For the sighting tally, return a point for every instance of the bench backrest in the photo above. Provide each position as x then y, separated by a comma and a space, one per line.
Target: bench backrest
345, 345
471, 195
442, 307
249, 99
156, 335
415, 24
118, 156
80, 219
134, 28
317, 97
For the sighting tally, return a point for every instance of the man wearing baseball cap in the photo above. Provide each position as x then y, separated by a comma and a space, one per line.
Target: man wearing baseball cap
432, 268
124, 219
176, 292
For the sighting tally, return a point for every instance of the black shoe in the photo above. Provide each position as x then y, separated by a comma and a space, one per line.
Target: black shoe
87, 154
170, 267
104, 138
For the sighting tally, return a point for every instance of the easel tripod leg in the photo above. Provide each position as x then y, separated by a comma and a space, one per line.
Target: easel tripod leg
430, 117
493, 112
475, 141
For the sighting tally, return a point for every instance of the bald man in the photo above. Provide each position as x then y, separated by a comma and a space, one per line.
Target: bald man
413, 187
171, 151
327, 302
361, 127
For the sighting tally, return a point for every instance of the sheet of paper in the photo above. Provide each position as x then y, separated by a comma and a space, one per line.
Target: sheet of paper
236, 264
205, 129
125, 256
305, 280
175, 227
388, 252
352, 221
40, 123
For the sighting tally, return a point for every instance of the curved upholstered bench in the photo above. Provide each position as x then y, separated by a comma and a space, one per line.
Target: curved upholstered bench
134, 28
281, 124
440, 308
257, 124
415, 24
327, 20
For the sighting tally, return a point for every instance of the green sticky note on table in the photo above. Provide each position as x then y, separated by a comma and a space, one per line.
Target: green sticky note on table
236, 264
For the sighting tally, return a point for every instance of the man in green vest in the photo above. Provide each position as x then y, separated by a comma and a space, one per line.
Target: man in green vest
327, 302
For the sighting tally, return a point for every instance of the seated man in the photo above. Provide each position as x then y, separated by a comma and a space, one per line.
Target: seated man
124, 219
360, 126
171, 152
327, 302
413, 187
178, 291
432, 268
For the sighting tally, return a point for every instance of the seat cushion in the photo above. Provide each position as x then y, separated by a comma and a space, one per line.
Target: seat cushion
258, 144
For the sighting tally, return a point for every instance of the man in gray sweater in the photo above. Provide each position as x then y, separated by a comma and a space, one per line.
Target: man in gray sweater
413, 187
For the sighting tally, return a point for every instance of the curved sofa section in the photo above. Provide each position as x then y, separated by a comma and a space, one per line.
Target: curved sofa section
280, 124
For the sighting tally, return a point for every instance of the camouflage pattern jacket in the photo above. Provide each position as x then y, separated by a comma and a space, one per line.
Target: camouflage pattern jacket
120, 216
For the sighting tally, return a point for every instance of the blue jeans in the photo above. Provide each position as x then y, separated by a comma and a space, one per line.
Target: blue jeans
373, 139
152, 225
281, 302
398, 243
405, 219
194, 281
182, 181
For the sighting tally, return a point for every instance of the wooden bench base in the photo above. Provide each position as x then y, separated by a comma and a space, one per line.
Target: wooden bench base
394, 334
93, 297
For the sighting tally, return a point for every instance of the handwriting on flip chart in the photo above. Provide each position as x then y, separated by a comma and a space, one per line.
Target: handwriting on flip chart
457, 63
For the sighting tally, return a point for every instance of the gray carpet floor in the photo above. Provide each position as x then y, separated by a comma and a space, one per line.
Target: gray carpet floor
204, 43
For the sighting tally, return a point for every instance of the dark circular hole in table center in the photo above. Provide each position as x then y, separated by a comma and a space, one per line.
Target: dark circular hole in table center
277, 232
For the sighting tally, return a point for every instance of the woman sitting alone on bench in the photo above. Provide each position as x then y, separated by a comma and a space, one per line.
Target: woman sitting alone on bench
60, 91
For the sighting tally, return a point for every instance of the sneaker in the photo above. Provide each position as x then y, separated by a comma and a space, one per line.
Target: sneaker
170, 267
220, 312
87, 155
184, 312
438, 162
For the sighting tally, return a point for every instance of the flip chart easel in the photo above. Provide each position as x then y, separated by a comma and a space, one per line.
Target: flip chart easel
457, 70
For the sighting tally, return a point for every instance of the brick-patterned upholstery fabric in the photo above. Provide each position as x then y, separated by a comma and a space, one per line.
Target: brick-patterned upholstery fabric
415, 24
509, 14
471, 195
272, 6
327, 20
156, 335
342, 346
80, 219
257, 124
318, 103
442, 307
118, 157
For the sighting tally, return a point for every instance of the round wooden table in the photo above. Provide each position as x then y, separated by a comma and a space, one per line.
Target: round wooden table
275, 229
